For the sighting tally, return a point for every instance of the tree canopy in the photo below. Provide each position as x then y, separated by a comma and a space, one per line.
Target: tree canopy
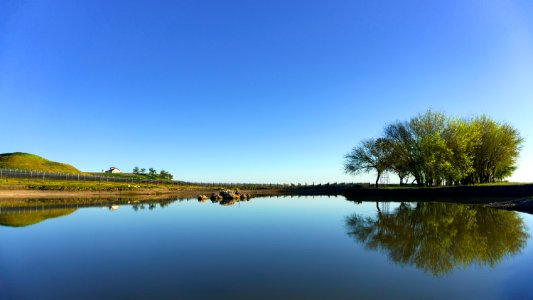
435, 149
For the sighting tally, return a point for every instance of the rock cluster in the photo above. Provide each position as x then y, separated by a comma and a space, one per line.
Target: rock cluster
226, 197
229, 194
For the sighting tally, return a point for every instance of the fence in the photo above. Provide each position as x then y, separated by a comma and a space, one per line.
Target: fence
12, 173
36, 175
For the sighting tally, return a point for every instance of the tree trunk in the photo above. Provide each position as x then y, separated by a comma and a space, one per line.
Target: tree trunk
377, 179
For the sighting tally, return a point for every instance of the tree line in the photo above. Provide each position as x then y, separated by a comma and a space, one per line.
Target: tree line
434, 149
153, 173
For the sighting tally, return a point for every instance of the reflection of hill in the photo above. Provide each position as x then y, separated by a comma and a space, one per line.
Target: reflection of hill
26, 218
438, 237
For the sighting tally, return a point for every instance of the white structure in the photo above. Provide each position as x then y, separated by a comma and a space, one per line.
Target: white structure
113, 170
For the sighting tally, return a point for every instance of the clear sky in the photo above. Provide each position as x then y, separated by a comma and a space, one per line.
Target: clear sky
252, 91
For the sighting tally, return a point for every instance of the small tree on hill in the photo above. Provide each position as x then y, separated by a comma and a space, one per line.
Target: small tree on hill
165, 175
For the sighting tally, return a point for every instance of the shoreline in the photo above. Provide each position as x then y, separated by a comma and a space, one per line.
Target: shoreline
28, 194
493, 192
511, 197
476, 191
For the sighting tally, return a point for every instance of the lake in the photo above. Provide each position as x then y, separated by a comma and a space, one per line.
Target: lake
266, 248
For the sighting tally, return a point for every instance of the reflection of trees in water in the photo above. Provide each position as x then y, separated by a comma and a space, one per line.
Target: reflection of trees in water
438, 237
153, 204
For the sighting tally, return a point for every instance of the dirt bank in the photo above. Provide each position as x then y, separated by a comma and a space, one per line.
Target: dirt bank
10, 194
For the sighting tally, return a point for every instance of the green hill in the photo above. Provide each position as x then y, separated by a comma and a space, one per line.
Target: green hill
31, 162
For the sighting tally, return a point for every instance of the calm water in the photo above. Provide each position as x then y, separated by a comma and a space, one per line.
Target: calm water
298, 248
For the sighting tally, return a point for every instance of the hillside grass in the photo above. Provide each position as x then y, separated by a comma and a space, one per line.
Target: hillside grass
31, 162
131, 175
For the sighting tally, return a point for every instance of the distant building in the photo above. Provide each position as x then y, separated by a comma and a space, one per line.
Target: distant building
113, 170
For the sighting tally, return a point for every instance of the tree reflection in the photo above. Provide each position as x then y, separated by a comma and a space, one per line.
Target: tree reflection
438, 237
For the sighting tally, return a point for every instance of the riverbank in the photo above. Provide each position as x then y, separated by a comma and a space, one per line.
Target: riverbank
490, 191
23, 188
13, 191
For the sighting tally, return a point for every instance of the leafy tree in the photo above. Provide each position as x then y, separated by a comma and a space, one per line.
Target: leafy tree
435, 149
152, 171
142, 171
371, 155
461, 139
405, 156
495, 156
165, 175
434, 155
136, 170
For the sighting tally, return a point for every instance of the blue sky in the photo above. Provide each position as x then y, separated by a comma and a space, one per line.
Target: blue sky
252, 91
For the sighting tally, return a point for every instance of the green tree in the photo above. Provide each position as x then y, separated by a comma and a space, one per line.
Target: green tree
165, 175
136, 170
496, 154
405, 154
433, 153
152, 171
435, 149
461, 139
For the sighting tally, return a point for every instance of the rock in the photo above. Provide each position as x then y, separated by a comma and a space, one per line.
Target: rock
215, 196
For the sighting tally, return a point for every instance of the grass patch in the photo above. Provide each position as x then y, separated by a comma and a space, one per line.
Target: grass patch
63, 185
31, 162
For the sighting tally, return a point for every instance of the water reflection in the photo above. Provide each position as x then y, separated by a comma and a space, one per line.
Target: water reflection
29, 214
27, 217
439, 237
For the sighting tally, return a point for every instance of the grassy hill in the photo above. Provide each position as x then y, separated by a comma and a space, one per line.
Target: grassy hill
31, 162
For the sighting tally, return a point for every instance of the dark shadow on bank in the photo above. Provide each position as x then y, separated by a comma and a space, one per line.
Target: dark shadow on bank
439, 237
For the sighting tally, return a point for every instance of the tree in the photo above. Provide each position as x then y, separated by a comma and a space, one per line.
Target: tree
433, 154
165, 175
461, 139
152, 171
496, 154
401, 143
436, 149
136, 170
371, 155
142, 171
